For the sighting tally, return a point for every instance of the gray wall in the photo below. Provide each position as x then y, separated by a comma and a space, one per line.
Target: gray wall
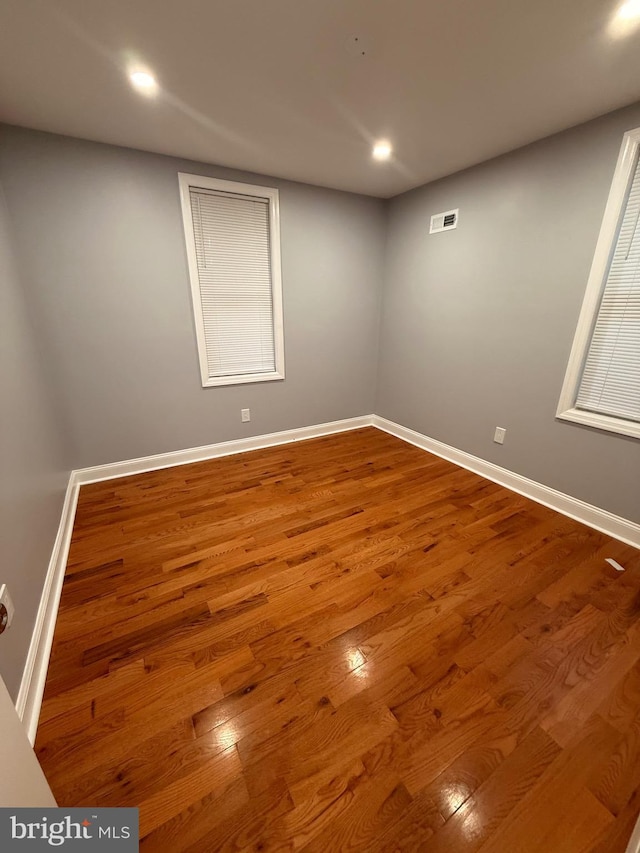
100, 243
33, 462
478, 322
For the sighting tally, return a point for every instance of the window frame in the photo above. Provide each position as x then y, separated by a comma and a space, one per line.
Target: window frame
187, 182
605, 247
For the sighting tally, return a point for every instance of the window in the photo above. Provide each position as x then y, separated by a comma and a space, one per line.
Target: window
602, 383
233, 248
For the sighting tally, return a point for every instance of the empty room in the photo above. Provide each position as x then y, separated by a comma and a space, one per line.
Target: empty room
320, 433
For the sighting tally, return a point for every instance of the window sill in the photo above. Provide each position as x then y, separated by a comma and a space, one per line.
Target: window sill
243, 379
606, 422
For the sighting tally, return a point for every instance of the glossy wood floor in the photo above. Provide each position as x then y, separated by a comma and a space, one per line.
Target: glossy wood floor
345, 644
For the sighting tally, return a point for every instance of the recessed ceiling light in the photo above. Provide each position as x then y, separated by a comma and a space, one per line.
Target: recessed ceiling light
382, 150
144, 82
630, 9
626, 19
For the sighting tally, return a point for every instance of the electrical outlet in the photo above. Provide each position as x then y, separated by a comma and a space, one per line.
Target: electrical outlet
6, 607
499, 435
245, 415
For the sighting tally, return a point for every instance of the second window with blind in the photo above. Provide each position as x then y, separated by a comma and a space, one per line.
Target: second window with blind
232, 234
602, 383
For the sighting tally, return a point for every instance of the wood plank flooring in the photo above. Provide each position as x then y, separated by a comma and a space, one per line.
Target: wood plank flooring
345, 644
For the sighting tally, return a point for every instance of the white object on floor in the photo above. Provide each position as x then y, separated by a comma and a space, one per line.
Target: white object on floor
23, 782
615, 565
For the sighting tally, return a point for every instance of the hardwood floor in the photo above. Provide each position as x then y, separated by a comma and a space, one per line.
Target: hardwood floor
345, 644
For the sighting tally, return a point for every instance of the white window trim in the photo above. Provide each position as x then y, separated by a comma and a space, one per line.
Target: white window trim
597, 278
187, 181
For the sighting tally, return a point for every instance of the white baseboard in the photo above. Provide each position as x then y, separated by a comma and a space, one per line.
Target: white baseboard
606, 522
35, 670
212, 451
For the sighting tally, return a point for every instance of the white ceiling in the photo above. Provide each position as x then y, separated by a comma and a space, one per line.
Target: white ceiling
275, 86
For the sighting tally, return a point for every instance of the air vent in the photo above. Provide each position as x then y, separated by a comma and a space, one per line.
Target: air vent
444, 221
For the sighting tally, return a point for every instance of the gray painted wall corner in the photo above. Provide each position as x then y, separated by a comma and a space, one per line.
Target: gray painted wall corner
477, 323
33, 461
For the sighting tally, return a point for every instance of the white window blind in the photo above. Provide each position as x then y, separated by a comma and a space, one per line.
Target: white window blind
232, 233
610, 382
234, 271
601, 386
